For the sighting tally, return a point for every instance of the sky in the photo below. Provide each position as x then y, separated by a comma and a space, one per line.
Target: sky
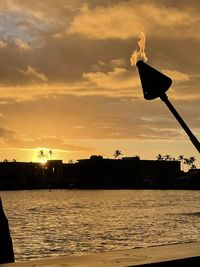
66, 82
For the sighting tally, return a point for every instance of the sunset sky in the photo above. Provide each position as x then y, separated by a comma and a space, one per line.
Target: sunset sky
66, 82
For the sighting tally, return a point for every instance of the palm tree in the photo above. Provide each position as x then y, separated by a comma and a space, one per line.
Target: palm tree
117, 153
193, 167
51, 154
160, 157
167, 157
42, 156
192, 160
187, 162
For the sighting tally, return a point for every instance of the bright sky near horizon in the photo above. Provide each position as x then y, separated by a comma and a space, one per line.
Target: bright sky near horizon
66, 82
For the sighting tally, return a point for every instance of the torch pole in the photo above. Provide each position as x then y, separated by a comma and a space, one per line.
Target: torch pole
193, 139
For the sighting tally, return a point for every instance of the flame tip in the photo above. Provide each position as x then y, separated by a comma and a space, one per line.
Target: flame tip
138, 55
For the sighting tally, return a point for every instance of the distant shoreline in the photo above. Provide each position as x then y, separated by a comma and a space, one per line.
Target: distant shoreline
98, 173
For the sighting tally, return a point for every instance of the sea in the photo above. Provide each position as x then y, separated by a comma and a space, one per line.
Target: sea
50, 223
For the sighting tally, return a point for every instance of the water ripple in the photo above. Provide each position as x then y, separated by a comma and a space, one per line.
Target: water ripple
64, 222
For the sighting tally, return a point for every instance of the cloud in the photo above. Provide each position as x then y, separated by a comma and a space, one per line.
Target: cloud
35, 92
177, 75
67, 84
2, 44
96, 117
76, 64
24, 147
117, 79
4, 132
41, 141
32, 72
75, 124
105, 22
116, 82
106, 66
22, 45
28, 23
126, 19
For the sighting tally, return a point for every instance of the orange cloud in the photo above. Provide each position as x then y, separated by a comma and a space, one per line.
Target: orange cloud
126, 19
22, 44
117, 79
177, 75
3, 44
33, 72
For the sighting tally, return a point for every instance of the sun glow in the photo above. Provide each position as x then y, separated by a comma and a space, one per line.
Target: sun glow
44, 154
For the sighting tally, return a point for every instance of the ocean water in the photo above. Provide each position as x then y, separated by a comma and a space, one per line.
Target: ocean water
63, 222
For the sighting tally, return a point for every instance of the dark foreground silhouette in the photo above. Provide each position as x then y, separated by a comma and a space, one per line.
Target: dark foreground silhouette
6, 247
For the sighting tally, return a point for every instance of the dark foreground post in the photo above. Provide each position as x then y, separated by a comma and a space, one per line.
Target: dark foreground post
6, 247
193, 138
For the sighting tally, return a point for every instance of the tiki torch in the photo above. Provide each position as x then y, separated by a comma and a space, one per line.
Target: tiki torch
155, 84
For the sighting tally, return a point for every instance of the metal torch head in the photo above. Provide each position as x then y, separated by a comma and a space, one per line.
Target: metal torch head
154, 83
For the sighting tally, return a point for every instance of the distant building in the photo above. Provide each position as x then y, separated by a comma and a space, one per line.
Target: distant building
54, 173
19, 175
97, 172
131, 158
128, 172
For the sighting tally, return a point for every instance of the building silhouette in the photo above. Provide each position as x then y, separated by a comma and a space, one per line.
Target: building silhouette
98, 173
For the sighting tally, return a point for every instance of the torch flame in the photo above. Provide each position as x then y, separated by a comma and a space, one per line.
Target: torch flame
139, 54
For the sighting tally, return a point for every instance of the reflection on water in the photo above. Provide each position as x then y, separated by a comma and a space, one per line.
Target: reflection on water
61, 222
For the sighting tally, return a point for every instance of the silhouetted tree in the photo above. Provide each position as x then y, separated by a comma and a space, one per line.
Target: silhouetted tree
168, 157
51, 154
193, 167
42, 156
160, 157
192, 160
165, 157
117, 154
187, 162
